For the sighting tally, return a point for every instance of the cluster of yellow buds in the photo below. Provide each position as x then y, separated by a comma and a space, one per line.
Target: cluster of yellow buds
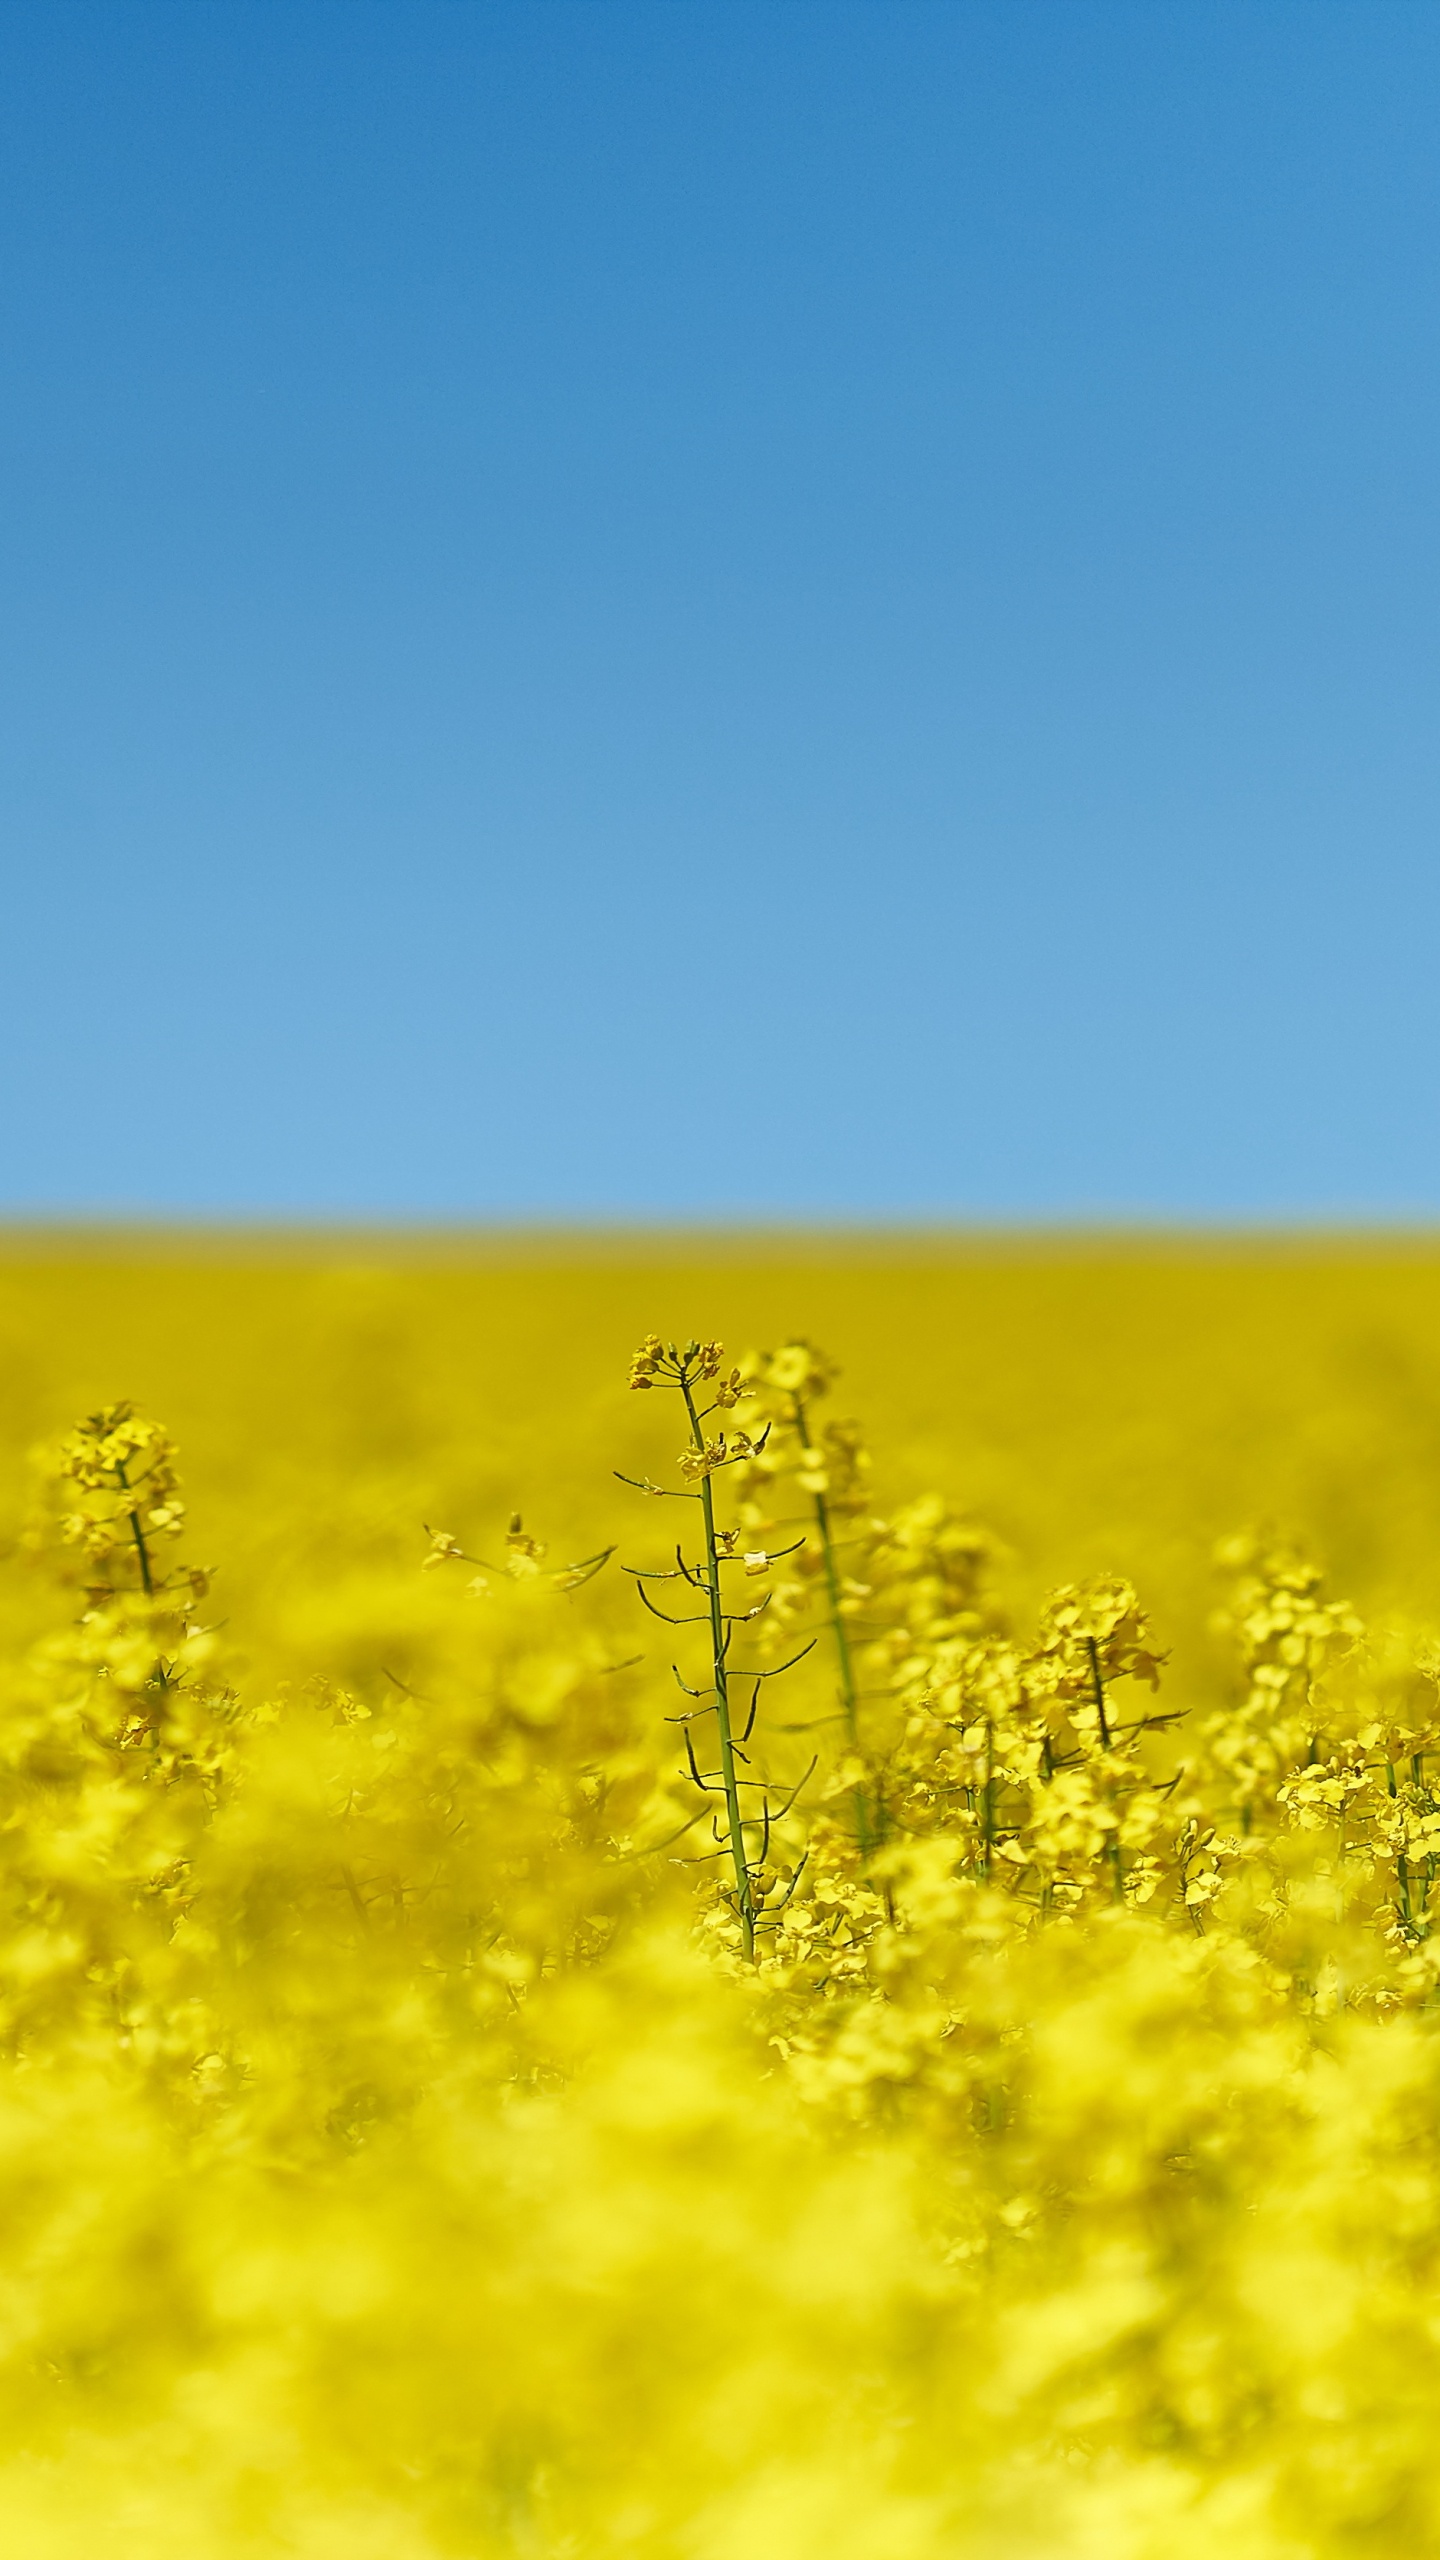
836, 1466
1090, 1634
797, 1369
118, 1486
718, 1453
647, 1361
686, 1365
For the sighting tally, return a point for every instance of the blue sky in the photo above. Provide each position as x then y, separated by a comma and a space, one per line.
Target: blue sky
722, 608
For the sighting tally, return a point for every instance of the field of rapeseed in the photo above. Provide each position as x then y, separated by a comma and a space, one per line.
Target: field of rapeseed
700, 1901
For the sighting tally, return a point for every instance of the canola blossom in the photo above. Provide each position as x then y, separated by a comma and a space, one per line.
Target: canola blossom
699, 1999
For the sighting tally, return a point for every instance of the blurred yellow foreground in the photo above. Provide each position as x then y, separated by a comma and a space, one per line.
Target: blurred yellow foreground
398, 2155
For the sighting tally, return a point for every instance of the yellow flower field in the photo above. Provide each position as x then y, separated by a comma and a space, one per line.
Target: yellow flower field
935, 2053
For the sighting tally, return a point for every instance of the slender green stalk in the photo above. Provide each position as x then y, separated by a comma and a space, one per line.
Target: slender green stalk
1402, 1864
1098, 1688
1112, 1847
849, 1695
735, 1821
137, 1533
1417, 1771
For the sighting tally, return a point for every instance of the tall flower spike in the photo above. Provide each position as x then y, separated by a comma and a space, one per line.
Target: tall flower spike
118, 1491
744, 1837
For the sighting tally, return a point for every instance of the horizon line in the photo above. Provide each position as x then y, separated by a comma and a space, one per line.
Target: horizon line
23, 1237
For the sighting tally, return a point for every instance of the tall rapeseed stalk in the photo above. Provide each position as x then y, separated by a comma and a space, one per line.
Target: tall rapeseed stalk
689, 1370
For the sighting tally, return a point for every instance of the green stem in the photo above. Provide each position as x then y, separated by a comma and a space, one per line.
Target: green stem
138, 1534
849, 1696
1098, 1687
739, 1860
1112, 1847
1402, 1864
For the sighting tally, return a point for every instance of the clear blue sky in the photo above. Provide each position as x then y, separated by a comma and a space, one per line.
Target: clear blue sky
799, 607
